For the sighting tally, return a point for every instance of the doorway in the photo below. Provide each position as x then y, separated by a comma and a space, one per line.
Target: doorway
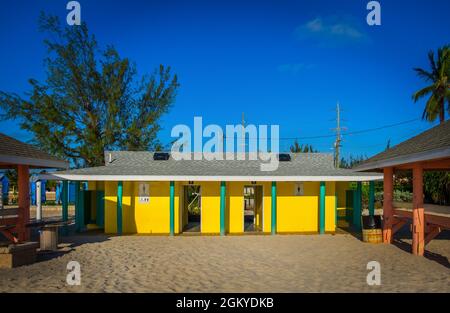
253, 208
192, 208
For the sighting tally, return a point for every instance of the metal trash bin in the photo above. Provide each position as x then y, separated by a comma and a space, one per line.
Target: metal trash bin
371, 229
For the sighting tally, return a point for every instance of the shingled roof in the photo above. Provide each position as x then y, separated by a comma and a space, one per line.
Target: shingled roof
13, 152
429, 145
140, 166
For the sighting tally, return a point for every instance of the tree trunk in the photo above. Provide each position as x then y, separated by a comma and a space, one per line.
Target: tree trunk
442, 111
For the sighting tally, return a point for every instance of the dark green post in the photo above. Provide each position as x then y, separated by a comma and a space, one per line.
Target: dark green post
65, 205
322, 208
274, 208
372, 198
222, 207
79, 207
357, 207
172, 208
119, 207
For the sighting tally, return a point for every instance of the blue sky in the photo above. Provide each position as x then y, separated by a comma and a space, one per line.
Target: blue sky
279, 62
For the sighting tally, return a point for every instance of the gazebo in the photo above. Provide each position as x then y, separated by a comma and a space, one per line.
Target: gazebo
428, 151
23, 157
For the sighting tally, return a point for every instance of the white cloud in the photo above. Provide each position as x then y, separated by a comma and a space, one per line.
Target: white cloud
329, 29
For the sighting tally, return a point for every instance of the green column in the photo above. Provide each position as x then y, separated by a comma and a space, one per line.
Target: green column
222, 207
119, 207
172, 208
79, 207
322, 208
274, 208
372, 198
357, 207
65, 205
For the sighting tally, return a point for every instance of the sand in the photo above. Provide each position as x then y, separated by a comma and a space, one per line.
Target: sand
282, 263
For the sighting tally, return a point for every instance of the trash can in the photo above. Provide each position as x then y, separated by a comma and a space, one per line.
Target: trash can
49, 238
371, 229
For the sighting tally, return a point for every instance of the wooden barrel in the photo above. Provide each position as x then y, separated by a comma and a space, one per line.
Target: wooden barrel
372, 235
49, 238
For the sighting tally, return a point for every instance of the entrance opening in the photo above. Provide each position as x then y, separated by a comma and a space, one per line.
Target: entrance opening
253, 208
192, 208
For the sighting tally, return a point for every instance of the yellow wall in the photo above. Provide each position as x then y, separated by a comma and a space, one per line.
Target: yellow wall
297, 213
145, 218
294, 213
210, 214
330, 207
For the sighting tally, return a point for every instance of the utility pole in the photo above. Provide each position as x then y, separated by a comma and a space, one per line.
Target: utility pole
243, 134
337, 142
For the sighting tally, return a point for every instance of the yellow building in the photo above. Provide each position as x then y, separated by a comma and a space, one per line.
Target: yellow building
152, 193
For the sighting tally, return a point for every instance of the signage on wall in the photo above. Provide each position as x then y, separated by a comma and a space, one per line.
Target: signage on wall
299, 191
144, 193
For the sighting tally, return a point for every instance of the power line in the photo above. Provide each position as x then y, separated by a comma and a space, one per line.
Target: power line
342, 133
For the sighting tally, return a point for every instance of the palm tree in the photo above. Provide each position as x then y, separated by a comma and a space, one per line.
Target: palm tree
439, 89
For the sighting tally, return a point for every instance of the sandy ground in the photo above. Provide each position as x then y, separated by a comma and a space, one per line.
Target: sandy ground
282, 263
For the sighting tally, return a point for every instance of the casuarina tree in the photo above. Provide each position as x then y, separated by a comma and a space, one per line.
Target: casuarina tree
92, 99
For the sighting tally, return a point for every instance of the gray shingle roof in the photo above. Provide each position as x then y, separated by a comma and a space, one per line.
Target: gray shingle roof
140, 164
431, 144
13, 151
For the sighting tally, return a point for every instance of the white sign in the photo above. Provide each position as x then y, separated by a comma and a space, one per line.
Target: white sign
299, 190
144, 193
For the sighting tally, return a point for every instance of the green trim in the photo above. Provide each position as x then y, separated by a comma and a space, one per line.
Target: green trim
79, 207
357, 206
119, 207
100, 208
322, 208
372, 198
222, 207
65, 205
274, 208
172, 208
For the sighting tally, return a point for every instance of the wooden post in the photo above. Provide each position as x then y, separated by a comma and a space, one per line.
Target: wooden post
222, 207
322, 208
119, 207
23, 182
172, 208
388, 212
274, 208
418, 242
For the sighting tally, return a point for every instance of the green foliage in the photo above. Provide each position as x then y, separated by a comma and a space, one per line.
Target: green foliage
439, 88
300, 148
351, 161
92, 99
437, 187
399, 196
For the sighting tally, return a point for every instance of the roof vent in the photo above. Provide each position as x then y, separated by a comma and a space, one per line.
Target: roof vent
284, 157
161, 156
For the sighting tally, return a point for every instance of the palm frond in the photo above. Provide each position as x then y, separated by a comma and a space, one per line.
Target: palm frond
424, 74
422, 93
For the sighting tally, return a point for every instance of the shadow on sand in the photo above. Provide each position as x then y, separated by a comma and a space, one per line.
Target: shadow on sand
402, 240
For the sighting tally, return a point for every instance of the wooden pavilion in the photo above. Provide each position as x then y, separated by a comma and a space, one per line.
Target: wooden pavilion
428, 151
23, 157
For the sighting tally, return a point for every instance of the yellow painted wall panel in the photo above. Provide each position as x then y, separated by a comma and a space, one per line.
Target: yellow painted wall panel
210, 214
110, 207
297, 213
235, 205
330, 207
